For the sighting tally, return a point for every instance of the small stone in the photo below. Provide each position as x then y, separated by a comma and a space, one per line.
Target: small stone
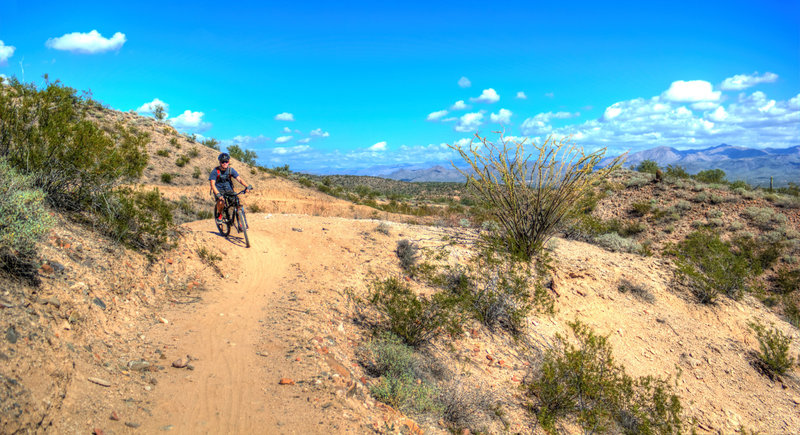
190, 366
132, 424
490, 358
12, 335
114, 416
98, 431
163, 320
99, 302
285, 381
52, 301
180, 363
167, 428
46, 269
796, 400
169, 261
99, 381
299, 230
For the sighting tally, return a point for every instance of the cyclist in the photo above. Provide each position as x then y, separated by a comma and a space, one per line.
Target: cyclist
221, 180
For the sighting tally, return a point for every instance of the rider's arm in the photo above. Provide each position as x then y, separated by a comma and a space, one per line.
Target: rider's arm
241, 181
213, 187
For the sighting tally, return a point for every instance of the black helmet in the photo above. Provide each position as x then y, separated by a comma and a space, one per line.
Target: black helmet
224, 157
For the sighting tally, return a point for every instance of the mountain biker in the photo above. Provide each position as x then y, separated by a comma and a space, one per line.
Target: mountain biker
221, 180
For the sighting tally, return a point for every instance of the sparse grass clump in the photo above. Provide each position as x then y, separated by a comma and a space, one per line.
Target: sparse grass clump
166, 177
408, 253
616, 243
582, 383
181, 161
638, 290
383, 228
162, 153
764, 218
774, 348
209, 258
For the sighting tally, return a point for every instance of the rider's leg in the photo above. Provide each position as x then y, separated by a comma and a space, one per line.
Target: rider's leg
220, 205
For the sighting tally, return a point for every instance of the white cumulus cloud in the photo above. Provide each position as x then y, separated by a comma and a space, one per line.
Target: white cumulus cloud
190, 121
6, 51
502, 117
285, 116
464, 82
435, 116
317, 132
487, 96
151, 106
521, 96
691, 91
744, 81
287, 130
469, 122
87, 43
459, 105
283, 139
380, 146
540, 123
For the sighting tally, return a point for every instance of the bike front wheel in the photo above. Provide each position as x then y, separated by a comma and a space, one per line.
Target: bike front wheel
224, 227
243, 227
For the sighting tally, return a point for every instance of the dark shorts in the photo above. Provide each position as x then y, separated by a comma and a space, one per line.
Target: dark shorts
225, 189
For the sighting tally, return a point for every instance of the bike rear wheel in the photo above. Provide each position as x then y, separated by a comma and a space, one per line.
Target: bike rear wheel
243, 227
224, 227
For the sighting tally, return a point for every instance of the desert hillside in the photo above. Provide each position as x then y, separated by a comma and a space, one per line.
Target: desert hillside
291, 336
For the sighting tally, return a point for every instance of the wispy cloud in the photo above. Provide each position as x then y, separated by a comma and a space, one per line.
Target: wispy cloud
247, 141
287, 130
744, 81
283, 139
304, 140
290, 150
190, 121
150, 107
284, 116
541, 122
435, 116
521, 96
469, 122
487, 96
87, 43
549, 94
464, 82
6, 51
317, 132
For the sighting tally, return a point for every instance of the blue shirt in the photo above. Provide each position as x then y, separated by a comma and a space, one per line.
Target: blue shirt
224, 179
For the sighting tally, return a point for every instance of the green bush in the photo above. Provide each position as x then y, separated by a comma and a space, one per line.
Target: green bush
245, 156
648, 166
166, 177
710, 176
48, 135
676, 172
584, 384
25, 221
616, 243
181, 161
139, 219
765, 218
774, 347
404, 383
408, 253
415, 319
787, 280
196, 172
211, 143
711, 266
638, 290
174, 142
162, 153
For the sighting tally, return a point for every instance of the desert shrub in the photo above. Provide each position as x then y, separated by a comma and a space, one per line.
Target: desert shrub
682, 205
192, 153
787, 280
403, 381
715, 199
181, 161
209, 258
25, 222
196, 172
641, 208
464, 406
529, 194
638, 180
648, 166
162, 153
736, 226
715, 223
245, 156
700, 197
676, 172
616, 243
759, 255
774, 347
710, 176
211, 143
740, 184
254, 208
174, 142
788, 202
638, 290
383, 228
415, 319
139, 219
765, 218
166, 177
408, 253
48, 135
584, 384
711, 267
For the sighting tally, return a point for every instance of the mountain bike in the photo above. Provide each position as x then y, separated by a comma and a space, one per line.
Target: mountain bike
233, 215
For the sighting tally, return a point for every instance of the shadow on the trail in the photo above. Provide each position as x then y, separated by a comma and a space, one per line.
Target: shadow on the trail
232, 239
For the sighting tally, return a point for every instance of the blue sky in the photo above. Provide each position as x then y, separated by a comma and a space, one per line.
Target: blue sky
334, 87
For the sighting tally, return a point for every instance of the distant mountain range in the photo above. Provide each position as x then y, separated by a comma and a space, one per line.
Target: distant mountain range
753, 165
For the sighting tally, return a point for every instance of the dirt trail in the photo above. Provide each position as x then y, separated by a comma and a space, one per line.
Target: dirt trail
239, 338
